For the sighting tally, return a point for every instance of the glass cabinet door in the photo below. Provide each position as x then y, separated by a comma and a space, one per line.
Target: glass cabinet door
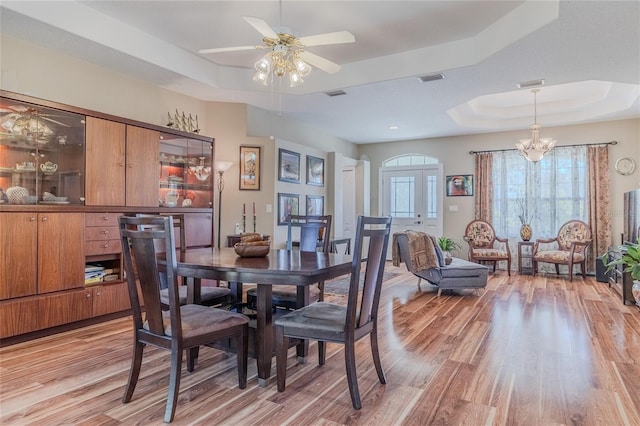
186, 172
41, 154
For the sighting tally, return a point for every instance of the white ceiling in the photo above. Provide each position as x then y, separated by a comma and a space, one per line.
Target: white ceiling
588, 53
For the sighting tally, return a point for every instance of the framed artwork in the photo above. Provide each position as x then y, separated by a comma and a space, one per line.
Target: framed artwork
288, 166
459, 185
288, 204
315, 171
315, 205
250, 168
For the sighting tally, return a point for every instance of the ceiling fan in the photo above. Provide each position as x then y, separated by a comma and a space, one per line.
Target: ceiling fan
287, 53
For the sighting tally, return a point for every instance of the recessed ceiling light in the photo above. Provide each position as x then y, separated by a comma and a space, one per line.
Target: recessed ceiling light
530, 83
394, 127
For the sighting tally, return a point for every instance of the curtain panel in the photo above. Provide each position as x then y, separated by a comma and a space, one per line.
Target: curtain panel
483, 186
599, 202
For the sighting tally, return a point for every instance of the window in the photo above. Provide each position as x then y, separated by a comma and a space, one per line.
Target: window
402, 196
553, 191
409, 160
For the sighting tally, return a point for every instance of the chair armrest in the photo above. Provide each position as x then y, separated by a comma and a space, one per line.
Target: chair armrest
505, 241
543, 241
576, 244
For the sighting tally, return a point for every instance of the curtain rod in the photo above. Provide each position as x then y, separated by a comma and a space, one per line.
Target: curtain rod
559, 146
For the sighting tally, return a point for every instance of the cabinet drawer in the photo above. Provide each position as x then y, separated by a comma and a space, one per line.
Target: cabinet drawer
102, 247
101, 233
101, 219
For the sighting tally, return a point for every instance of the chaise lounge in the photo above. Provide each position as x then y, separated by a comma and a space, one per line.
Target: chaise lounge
424, 259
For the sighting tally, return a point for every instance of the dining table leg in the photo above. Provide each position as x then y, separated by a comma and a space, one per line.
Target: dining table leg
264, 333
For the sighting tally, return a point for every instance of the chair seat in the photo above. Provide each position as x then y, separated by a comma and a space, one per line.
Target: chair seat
208, 295
198, 320
315, 320
555, 256
490, 253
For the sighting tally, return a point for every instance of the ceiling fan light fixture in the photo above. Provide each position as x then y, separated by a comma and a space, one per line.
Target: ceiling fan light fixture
535, 148
261, 78
302, 67
263, 65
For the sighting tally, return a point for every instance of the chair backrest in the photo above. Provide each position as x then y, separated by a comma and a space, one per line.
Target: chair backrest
140, 237
178, 226
480, 234
362, 304
313, 230
573, 230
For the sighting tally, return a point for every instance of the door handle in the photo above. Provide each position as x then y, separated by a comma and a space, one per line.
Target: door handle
417, 222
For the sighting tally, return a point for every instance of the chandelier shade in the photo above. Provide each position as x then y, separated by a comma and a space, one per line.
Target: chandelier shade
534, 149
281, 61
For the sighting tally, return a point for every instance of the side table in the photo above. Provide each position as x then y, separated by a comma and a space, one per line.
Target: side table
525, 257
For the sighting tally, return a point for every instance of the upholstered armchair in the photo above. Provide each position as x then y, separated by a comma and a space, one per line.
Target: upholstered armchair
569, 247
485, 246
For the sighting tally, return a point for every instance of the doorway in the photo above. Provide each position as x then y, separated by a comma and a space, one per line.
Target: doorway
413, 197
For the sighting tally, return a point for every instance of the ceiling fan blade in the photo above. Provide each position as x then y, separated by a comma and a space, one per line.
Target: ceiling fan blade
320, 62
229, 49
262, 27
338, 37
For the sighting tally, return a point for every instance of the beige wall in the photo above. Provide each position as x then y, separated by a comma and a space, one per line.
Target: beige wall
453, 152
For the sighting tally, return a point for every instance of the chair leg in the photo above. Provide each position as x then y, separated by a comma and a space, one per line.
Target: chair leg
509, 267
282, 344
376, 356
192, 358
321, 295
439, 291
557, 269
419, 280
570, 266
583, 269
242, 353
352, 378
174, 384
322, 352
134, 373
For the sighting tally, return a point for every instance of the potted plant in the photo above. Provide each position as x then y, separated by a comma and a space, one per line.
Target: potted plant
447, 245
630, 260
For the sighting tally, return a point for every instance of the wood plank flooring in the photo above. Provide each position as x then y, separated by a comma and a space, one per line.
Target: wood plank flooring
526, 351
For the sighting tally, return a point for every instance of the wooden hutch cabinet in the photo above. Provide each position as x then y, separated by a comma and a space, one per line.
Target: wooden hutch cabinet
66, 175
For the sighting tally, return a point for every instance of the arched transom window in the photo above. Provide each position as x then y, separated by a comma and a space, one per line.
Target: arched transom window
409, 160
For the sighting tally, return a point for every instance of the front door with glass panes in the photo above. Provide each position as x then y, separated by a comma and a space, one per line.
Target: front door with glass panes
412, 196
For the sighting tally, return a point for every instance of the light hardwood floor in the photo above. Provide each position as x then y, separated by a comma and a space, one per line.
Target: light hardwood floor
527, 351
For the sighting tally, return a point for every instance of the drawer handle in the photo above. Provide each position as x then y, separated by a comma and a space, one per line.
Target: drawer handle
105, 246
32, 218
44, 219
88, 295
105, 217
105, 232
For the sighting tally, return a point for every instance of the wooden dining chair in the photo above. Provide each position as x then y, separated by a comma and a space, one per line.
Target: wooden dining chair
181, 327
209, 295
314, 235
330, 322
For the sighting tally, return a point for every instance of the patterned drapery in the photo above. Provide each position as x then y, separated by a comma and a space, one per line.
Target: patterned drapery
483, 186
599, 202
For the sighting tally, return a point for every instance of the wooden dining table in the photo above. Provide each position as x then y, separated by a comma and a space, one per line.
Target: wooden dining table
279, 267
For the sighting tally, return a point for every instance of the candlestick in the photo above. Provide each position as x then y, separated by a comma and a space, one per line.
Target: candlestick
244, 209
244, 223
254, 223
254, 208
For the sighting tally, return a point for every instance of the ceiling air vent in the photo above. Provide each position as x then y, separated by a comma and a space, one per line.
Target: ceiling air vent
434, 77
335, 93
530, 83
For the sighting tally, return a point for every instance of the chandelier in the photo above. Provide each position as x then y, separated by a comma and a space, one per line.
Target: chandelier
535, 148
200, 171
283, 59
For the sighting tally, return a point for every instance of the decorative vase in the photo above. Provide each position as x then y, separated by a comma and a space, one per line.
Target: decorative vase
635, 290
171, 197
526, 232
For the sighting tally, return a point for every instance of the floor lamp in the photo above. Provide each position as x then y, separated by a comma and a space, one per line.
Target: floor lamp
221, 167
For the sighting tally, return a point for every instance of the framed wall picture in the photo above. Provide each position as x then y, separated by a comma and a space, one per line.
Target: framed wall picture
250, 168
288, 166
315, 205
288, 204
315, 171
459, 185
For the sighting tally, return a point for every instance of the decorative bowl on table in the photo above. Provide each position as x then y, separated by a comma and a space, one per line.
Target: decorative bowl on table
252, 248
